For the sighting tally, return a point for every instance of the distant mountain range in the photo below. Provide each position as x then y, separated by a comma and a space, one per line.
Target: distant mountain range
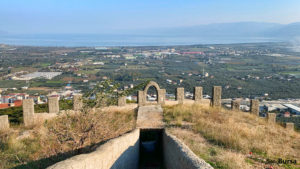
289, 31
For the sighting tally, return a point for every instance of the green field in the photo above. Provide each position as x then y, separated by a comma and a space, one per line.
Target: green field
12, 83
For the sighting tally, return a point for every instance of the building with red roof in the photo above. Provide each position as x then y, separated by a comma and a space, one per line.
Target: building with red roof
16, 103
4, 105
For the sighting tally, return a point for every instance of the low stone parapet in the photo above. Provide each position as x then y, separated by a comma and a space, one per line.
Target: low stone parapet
121, 152
203, 102
178, 155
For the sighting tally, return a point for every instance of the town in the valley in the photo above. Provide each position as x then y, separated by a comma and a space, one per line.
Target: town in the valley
269, 72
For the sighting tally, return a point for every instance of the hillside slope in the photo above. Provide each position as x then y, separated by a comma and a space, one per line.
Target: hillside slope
62, 137
229, 139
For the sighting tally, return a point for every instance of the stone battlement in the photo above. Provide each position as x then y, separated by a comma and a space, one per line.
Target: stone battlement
31, 118
127, 150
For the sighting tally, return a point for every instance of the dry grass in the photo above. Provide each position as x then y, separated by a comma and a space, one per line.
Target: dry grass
62, 137
218, 157
76, 131
236, 134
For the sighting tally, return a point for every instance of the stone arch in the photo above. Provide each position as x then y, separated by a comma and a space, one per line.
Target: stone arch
153, 94
157, 88
142, 100
151, 83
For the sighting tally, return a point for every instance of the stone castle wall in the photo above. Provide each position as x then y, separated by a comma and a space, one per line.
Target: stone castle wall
118, 153
215, 101
123, 152
32, 118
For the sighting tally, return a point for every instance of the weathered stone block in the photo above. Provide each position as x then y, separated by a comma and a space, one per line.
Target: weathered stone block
254, 107
198, 94
141, 98
53, 104
28, 112
290, 126
235, 105
77, 102
161, 96
4, 123
271, 117
122, 101
217, 94
180, 95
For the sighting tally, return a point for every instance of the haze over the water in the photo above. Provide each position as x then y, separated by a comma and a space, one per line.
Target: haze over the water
155, 22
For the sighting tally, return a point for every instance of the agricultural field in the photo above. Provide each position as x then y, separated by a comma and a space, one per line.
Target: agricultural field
243, 70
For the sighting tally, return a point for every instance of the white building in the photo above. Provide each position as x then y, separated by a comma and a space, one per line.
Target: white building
293, 109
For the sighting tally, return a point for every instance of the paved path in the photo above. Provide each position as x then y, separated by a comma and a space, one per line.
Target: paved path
150, 117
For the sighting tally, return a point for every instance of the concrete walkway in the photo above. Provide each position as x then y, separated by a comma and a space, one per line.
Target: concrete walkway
150, 117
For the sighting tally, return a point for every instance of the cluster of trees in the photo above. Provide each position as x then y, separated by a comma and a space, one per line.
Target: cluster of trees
107, 93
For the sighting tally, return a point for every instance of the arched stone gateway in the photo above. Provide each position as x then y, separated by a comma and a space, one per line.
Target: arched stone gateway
151, 83
161, 94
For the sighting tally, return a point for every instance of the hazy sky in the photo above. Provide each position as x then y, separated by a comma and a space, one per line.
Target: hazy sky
96, 16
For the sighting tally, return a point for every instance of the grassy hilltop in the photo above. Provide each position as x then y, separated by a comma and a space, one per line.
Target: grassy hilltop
62, 137
231, 139
226, 139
